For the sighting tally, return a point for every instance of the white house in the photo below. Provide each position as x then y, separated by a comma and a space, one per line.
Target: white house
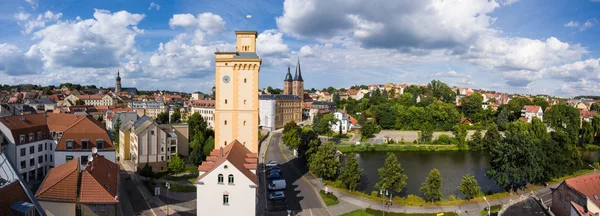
45, 104
94, 100
268, 114
206, 109
150, 145
530, 111
343, 121
227, 182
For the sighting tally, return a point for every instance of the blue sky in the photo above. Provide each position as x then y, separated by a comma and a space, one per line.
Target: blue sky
537, 47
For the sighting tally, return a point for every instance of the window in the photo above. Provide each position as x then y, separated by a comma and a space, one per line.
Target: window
51, 134
23, 152
50, 146
40, 159
23, 164
230, 179
102, 208
22, 139
162, 158
220, 179
50, 158
40, 147
244, 80
85, 144
151, 132
45, 146
225, 122
31, 149
45, 158
225, 101
244, 123
40, 135
84, 159
59, 136
225, 199
244, 101
162, 149
93, 208
31, 137
69, 144
32, 162
69, 157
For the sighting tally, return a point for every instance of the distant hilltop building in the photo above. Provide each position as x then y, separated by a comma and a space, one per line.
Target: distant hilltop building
294, 86
119, 89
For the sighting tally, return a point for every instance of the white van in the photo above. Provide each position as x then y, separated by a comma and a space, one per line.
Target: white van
277, 185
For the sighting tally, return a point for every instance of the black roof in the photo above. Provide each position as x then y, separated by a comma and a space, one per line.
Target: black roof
288, 76
298, 75
529, 206
130, 91
278, 97
246, 55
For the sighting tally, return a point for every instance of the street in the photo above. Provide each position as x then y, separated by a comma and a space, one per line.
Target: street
300, 196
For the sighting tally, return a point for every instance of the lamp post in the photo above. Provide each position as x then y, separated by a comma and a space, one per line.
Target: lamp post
593, 168
489, 207
168, 188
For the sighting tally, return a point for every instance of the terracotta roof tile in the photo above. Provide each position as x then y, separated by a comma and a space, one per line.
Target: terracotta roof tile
99, 181
12, 192
61, 183
532, 109
588, 185
580, 210
235, 153
353, 91
85, 128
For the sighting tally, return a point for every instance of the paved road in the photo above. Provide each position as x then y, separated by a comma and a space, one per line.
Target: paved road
139, 205
300, 196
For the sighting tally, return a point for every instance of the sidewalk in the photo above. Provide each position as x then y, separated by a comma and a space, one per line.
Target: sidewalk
157, 206
350, 202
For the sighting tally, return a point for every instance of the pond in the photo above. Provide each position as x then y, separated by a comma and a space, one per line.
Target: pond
453, 165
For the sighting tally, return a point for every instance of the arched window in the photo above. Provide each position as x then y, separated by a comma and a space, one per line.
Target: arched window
230, 179
225, 101
220, 179
224, 143
244, 80
225, 122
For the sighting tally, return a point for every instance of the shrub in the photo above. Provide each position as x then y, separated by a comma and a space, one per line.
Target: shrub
374, 194
444, 139
147, 171
452, 198
415, 142
411, 198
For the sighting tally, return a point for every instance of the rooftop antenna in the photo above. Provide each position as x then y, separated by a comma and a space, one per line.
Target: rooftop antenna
248, 17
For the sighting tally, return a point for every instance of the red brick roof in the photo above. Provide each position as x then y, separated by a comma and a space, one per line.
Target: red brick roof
532, 109
61, 183
236, 154
100, 181
12, 193
588, 185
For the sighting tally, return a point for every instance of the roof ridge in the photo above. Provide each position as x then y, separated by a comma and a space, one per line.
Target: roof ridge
98, 183
74, 123
59, 181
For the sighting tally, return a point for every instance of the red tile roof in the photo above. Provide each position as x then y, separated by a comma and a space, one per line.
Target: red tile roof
236, 154
61, 183
588, 185
203, 103
587, 114
532, 109
353, 91
12, 193
25, 125
580, 210
100, 181
85, 128
90, 97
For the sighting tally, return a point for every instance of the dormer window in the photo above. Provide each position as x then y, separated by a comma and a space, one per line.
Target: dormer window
31, 137
22, 139
40, 135
70, 144
100, 144
59, 135
85, 144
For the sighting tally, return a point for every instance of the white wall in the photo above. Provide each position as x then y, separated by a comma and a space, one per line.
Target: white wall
242, 197
267, 112
60, 156
208, 114
124, 116
150, 145
58, 208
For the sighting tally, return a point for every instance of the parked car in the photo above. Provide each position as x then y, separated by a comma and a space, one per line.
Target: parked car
278, 195
278, 171
274, 175
277, 185
273, 168
272, 163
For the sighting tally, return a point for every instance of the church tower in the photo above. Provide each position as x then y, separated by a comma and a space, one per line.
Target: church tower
298, 83
118, 84
287, 83
236, 102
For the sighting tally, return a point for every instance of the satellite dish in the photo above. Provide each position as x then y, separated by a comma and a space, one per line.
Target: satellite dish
90, 158
94, 150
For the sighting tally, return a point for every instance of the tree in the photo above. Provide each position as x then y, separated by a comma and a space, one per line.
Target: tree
426, 133
176, 165
209, 145
460, 133
492, 137
350, 174
539, 129
539, 101
432, 187
441, 91
587, 132
503, 118
471, 105
78, 102
197, 123
476, 142
596, 124
391, 175
47, 91
291, 138
175, 116
468, 186
366, 131
331, 89
595, 107
384, 94
324, 163
290, 126
565, 118
162, 117
115, 132
406, 99
336, 98
385, 116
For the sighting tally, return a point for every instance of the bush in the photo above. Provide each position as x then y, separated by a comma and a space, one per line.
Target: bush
176, 187
374, 194
445, 139
452, 198
147, 171
329, 198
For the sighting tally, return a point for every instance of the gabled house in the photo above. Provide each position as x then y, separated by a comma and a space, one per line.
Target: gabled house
577, 195
342, 124
151, 145
530, 111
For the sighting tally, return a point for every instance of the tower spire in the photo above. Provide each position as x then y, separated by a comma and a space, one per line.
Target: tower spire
298, 75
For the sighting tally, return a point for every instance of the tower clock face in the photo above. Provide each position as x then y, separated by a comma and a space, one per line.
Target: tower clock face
225, 79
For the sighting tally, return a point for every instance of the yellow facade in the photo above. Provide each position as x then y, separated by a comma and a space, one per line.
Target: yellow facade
124, 151
236, 105
287, 111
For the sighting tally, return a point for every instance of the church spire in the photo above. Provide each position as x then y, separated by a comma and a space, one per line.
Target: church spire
118, 75
298, 75
288, 76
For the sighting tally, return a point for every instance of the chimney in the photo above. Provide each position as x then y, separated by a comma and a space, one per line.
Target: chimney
222, 152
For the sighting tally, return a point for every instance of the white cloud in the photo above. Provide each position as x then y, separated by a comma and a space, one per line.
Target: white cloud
572, 24
92, 43
306, 51
521, 78
209, 22
154, 5
588, 69
33, 3
270, 43
14, 63
30, 25
588, 24
447, 74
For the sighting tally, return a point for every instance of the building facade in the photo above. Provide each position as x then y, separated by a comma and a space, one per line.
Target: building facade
148, 108
151, 145
287, 108
17, 199
111, 117
92, 100
118, 83
206, 109
579, 192
342, 122
298, 83
530, 111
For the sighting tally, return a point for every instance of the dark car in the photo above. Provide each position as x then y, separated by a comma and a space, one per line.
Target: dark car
274, 171
274, 175
279, 195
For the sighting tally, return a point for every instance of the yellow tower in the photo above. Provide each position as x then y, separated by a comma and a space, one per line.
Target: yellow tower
236, 105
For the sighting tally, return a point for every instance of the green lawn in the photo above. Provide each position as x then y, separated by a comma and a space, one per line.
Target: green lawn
372, 212
329, 199
495, 208
176, 187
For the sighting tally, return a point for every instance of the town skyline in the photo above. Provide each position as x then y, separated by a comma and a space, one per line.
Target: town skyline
497, 45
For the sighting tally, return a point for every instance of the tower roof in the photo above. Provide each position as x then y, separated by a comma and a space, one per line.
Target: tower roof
288, 76
298, 75
118, 76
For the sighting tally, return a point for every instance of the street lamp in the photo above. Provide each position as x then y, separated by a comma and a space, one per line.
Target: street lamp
489, 207
168, 189
593, 168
